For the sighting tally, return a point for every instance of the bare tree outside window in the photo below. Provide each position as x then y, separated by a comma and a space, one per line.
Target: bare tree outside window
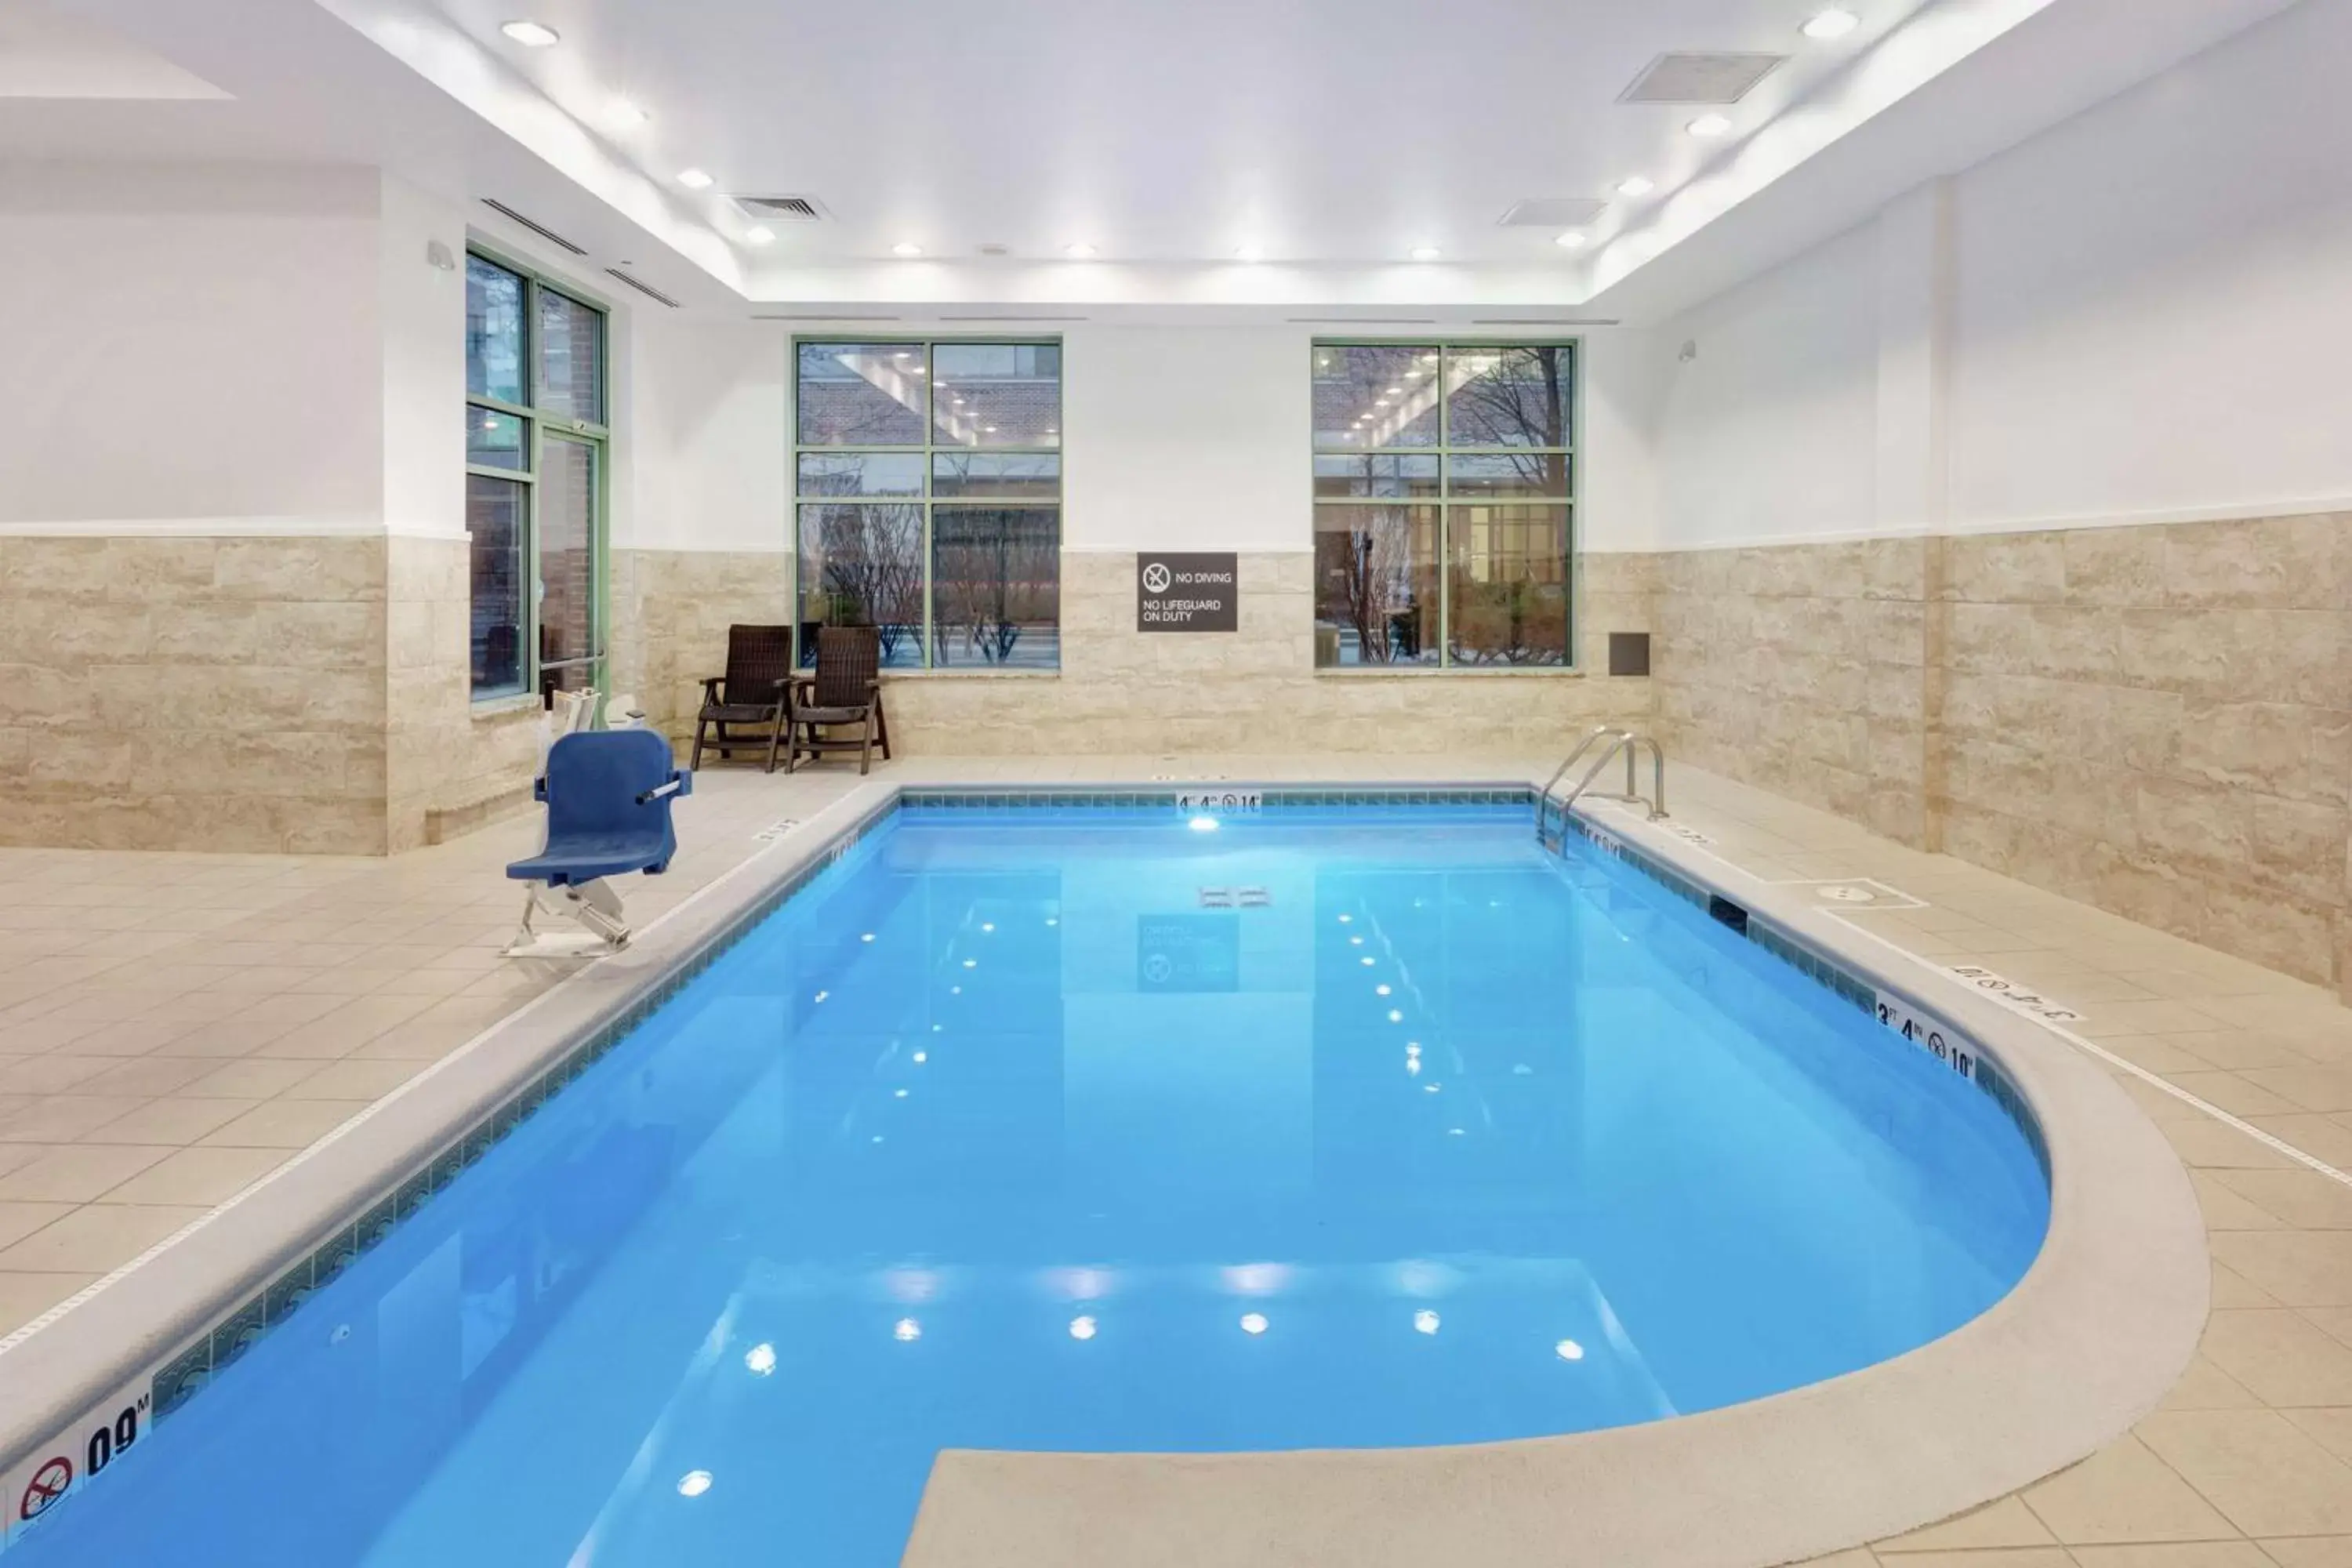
1491, 565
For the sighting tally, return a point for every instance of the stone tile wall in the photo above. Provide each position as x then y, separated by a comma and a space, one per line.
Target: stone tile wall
451, 767
215, 693
2156, 720
1803, 669
1122, 691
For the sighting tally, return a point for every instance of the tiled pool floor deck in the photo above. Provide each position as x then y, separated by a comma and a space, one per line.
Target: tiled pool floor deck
174, 1027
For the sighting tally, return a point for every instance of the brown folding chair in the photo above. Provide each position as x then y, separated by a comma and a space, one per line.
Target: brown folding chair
756, 691
846, 690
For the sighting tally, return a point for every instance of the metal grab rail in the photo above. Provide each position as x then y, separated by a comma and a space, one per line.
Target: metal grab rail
1630, 742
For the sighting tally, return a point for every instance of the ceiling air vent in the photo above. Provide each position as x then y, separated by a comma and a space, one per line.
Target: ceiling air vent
1552, 211
780, 209
993, 249
539, 229
1699, 79
647, 290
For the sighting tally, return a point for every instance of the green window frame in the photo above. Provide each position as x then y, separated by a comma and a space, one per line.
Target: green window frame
510, 447
953, 628
1449, 513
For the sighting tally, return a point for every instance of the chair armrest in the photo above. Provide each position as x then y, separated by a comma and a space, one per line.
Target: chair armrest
711, 684
680, 781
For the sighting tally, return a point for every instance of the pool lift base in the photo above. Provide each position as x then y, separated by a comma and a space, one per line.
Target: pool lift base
593, 904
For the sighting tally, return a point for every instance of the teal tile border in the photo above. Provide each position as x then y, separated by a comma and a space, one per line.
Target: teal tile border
190, 1368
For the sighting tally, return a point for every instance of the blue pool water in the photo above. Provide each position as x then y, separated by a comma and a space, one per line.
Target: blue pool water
1003, 1134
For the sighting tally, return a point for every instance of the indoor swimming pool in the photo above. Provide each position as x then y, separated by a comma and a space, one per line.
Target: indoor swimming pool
1108, 1128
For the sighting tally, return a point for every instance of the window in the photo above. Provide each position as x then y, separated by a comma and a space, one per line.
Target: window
928, 478
535, 478
1444, 499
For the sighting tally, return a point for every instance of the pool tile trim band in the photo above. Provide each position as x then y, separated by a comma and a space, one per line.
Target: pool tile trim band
140, 1398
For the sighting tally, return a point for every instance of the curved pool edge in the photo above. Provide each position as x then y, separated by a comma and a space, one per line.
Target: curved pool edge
2093, 1336
2100, 1329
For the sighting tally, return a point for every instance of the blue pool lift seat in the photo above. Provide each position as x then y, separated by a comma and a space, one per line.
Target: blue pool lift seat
608, 795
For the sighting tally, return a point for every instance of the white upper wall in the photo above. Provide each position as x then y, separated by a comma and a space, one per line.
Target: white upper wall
1173, 436
190, 344
2140, 314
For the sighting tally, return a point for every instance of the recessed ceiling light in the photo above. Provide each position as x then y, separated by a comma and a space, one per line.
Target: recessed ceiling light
1573, 240
626, 112
695, 180
1834, 22
1249, 253
906, 248
531, 35
1080, 251
759, 236
1708, 127
1638, 186
1424, 253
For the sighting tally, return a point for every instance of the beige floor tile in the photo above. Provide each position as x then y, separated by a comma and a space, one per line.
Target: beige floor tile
24, 1297
2265, 1474
284, 1124
2205, 1386
2236, 1093
2280, 1356
2225, 1208
177, 1119
2304, 1199
354, 1080
95, 1238
67, 1172
2330, 1428
2004, 1523
1859, 1557
2005, 1557
19, 1220
62, 1118
2206, 1144
2310, 1550
2311, 1088
198, 1176
2297, 1267
2231, 1289
2175, 1555
148, 1076
53, 1074
2124, 1493
253, 1077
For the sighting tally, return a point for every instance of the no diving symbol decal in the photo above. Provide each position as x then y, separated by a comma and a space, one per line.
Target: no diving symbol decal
1156, 578
48, 1484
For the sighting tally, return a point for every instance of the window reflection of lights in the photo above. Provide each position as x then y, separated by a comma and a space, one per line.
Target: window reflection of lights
1569, 1350
1380, 990
1052, 922
1425, 1321
906, 1330
1347, 920
760, 1359
823, 995
694, 1483
1082, 1328
1430, 1087
1367, 961
972, 964
1453, 1132
866, 936
1355, 942
897, 1094
876, 1139
1412, 1067
922, 1057
1413, 1048
1203, 825
988, 925
1395, 1016
1253, 1323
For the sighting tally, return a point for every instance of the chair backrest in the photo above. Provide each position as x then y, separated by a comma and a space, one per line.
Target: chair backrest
593, 779
848, 662
757, 658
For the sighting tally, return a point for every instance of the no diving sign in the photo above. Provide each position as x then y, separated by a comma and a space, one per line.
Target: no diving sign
1186, 592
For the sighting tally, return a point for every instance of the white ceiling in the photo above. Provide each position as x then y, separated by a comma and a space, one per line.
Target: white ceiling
1321, 130
1336, 135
